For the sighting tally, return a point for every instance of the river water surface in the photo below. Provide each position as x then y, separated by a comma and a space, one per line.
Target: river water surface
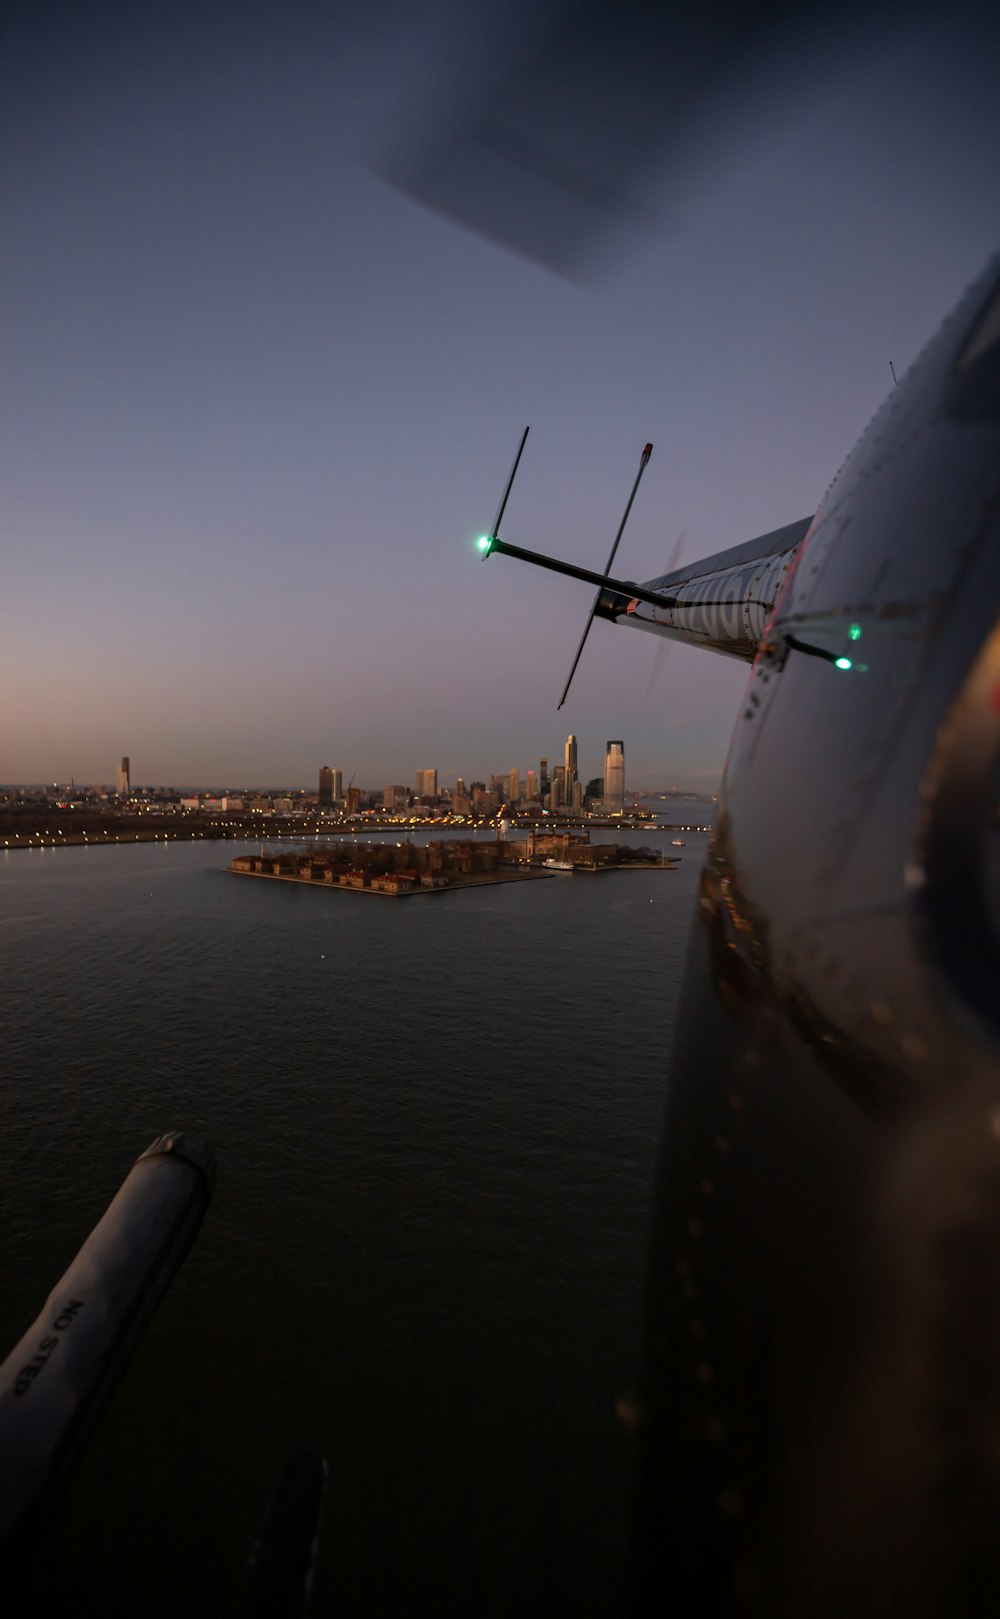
435, 1121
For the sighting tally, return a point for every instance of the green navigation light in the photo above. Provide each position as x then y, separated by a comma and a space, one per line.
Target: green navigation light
484, 542
842, 663
855, 632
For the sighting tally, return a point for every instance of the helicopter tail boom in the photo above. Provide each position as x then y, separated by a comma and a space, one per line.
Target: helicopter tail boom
722, 602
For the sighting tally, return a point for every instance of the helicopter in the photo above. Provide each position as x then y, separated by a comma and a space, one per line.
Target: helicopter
815, 1419
817, 1423
816, 1426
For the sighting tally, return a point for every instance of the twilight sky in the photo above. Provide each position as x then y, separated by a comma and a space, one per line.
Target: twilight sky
257, 404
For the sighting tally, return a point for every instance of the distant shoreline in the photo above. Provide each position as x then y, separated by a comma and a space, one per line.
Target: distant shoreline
80, 840
258, 834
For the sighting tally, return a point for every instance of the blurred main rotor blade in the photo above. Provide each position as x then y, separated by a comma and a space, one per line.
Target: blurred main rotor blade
546, 141
643, 463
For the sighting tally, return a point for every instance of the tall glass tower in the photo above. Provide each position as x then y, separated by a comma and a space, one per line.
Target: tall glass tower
614, 777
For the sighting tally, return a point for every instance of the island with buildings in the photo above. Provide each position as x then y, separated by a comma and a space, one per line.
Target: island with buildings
447, 863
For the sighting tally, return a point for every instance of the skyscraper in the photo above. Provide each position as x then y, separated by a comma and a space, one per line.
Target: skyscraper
123, 785
325, 786
427, 783
531, 786
570, 760
614, 777
514, 786
543, 776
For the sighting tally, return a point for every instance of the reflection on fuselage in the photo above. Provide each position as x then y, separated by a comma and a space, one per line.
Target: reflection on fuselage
819, 1380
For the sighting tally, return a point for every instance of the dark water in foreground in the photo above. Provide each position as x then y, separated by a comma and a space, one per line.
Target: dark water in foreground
435, 1122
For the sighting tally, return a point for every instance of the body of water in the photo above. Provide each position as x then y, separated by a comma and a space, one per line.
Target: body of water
435, 1122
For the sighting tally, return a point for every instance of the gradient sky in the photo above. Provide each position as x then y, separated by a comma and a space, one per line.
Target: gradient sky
257, 405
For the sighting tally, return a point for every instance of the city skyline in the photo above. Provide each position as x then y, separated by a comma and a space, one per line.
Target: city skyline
307, 782
328, 780
259, 405
594, 752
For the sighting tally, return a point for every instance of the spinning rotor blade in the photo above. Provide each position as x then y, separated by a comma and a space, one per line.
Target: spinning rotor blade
575, 131
643, 462
664, 646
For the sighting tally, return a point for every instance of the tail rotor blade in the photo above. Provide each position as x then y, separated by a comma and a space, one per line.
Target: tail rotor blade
494, 531
663, 646
663, 651
579, 653
643, 463
675, 555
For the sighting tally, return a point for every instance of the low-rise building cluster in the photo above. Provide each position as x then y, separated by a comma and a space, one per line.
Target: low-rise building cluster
385, 869
405, 867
